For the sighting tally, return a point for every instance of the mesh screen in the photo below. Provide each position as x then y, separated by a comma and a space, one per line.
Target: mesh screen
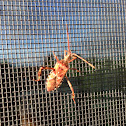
30, 30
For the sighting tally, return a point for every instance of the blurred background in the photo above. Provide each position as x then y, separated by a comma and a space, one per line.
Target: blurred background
31, 30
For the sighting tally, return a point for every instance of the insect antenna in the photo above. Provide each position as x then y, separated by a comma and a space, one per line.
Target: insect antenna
68, 39
83, 60
74, 53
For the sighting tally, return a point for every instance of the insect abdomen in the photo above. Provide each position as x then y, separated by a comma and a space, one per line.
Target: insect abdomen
55, 78
61, 70
51, 81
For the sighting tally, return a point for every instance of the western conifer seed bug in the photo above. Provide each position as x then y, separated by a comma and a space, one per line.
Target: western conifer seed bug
60, 69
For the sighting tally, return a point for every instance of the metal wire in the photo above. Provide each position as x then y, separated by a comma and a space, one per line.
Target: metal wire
31, 30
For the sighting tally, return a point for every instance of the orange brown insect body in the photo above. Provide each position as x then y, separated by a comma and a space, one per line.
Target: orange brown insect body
60, 69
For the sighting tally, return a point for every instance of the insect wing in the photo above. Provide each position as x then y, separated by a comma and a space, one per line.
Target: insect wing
59, 79
61, 70
51, 81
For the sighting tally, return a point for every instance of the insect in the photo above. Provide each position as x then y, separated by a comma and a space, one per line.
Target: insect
60, 69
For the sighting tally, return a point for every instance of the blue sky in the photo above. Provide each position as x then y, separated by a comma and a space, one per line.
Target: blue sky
32, 30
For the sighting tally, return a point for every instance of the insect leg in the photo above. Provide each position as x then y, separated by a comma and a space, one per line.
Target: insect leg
84, 60
70, 85
72, 59
55, 56
74, 69
40, 72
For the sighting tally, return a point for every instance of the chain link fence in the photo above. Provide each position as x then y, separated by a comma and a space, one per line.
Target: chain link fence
30, 30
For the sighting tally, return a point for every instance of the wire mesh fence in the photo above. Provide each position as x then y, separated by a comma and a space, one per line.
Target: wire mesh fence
30, 30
